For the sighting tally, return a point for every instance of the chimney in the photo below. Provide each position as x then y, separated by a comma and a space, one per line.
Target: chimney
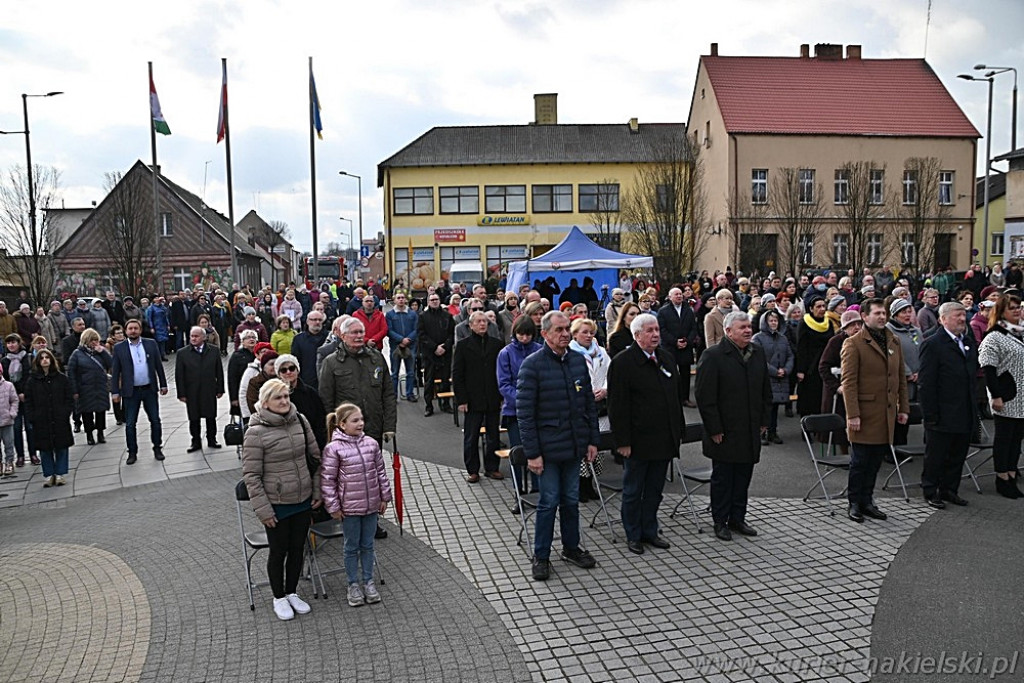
634, 125
545, 109
805, 51
853, 51
714, 49
828, 51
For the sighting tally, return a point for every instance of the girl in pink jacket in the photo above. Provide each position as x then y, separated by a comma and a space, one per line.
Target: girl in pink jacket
356, 490
8, 413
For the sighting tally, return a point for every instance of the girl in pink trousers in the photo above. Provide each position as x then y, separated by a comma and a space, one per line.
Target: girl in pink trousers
355, 490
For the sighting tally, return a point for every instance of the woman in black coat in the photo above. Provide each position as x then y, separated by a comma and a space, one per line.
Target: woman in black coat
88, 368
621, 337
49, 403
812, 336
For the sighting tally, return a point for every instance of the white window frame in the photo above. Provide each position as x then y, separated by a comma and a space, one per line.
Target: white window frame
908, 247
874, 248
946, 196
910, 196
805, 178
877, 186
182, 279
805, 248
842, 187
166, 225
841, 248
413, 201
998, 238
759, 186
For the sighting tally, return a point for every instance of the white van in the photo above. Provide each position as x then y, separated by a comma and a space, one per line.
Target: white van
467, 272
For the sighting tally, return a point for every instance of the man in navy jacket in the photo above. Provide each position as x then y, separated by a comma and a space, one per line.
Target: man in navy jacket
558, 425
135, 379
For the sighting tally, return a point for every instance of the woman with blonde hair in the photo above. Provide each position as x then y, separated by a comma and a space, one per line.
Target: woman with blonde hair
88, 368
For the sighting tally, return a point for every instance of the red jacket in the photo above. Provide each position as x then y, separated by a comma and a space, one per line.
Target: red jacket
376, 327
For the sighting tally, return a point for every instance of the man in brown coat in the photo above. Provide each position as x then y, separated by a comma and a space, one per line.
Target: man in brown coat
875, 393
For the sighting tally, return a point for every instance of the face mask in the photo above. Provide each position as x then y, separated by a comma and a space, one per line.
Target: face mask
821, 288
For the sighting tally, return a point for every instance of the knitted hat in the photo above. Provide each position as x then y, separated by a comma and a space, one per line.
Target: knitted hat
833, 303
767, 299
281, 360
897, 305
849, 317
267, 357
988, 290
249, 310
867, 289
262, 346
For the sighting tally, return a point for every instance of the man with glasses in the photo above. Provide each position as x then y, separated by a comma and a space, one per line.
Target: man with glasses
463, 329
436, 340
928, 316
305, 345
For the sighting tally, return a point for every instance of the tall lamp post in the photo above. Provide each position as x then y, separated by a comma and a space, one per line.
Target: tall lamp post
988, 158
995, 71
349, 238
359, 179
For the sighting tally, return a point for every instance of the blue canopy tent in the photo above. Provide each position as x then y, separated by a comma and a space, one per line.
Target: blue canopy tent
576, 256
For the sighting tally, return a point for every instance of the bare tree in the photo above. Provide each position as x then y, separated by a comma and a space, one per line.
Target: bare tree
921, 211
666, 214
607, 219
29, 257
271, 235
862, 212
749, 221
127, 234
799, 213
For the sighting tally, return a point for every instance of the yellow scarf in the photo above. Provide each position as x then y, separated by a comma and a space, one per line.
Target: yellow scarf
834, 318
817, 326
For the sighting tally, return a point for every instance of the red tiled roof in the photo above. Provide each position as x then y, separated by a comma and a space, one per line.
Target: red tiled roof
793, 95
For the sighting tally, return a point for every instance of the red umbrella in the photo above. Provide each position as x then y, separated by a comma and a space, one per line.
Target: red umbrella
396, 463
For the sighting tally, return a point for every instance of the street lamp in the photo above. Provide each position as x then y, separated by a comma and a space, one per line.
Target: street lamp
359, 179
348, 252
36, 246
988, 158
995, 71
349, 235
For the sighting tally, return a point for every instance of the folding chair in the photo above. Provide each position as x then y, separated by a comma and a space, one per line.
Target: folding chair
814, 424
701, 476
901, 455
606, 484
319, 534
979, 444
517, 460
253, 540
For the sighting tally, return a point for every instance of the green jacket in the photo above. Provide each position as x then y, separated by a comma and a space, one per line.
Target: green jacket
362, 379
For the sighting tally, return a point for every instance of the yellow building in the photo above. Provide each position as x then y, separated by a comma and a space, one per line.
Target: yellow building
488, 195
997, 244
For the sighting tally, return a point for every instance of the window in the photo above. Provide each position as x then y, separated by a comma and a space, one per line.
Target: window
166, 229
464, 199
601, 197
107, 279
909, 187
414, 201
946, 187
498, 256
874, 249
552, 198
182, 278
908, 249
806, 179
877, 186
806, 250
997, 244
842, 186
505, 199
841, 250
759, 186
666, 199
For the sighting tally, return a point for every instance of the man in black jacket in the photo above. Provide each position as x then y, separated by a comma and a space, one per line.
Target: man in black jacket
475, 376
199, 374
645, 399
436, 333
678, 327
946, 381
734, 397
179, 321
305, 345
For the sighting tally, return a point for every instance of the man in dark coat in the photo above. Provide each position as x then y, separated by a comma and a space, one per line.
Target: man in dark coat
436, 333
949, 365
558, 424
475, 376
305, 345
199, 374
734, 397
645, 405
137, 376
678, 328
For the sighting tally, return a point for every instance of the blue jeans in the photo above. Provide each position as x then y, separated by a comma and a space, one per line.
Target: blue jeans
410, 371
559, 490
359, 532
148, 400
642, 484
55, 462
7, 438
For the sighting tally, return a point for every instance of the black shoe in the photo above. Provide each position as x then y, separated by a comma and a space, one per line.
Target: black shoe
446, 406
657, 542
213, 444
742, 528
1008, 488
78, 428
412, 398
774, 437
935, 501
789, 411
764, 439
158, 453
635, 547
541, 569
381, 532
722, 532
428, 411
855, 513
196, 446
872, 511
132, 458
99, 437
579, 557
953, 498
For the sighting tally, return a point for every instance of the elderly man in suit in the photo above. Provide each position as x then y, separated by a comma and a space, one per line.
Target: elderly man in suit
874, 384
136, 377
949, 365
734, 397
678, 327
645, 397
475, 380
199, 374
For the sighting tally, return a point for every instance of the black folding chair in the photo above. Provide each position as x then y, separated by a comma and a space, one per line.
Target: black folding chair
253, 541
701, 475
517, 460
824, 461
980, 444
901, 455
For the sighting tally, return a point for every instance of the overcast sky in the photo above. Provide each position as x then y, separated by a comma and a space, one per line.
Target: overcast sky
388, 71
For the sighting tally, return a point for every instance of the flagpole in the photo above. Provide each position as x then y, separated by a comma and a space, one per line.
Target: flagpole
314, 274
227, 154
156, 205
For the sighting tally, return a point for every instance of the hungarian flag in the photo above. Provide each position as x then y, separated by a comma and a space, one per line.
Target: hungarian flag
159, 125
222, 116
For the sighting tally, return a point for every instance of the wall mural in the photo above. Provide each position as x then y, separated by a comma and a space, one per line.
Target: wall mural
95, 282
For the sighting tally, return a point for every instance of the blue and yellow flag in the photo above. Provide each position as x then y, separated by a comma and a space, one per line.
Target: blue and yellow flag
314, 107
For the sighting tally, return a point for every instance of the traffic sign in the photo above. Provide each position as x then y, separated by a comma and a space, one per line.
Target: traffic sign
364, 262
364, 251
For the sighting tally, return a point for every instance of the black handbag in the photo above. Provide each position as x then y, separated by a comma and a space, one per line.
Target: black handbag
233, 433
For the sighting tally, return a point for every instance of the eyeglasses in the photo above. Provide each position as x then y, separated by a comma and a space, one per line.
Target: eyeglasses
288, 368
475, 309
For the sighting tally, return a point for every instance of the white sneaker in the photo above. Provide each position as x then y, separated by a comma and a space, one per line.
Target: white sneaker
60, 480
355, 595
370, 590
49, 481
299, 605
283, 609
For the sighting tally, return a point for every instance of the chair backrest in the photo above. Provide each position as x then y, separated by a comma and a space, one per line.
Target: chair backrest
517, 456
693, 432
241, 491
823, 422
916, 415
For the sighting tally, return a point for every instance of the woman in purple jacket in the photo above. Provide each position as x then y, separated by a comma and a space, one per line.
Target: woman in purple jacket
524, 342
